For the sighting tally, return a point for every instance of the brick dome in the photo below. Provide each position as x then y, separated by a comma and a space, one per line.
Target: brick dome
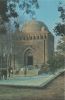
33, 26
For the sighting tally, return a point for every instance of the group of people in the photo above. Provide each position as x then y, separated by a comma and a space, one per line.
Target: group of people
4, 73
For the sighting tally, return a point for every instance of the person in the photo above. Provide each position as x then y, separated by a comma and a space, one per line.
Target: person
0, 75
4, 74
25, 71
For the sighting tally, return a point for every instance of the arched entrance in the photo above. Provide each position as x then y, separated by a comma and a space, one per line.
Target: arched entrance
28, 57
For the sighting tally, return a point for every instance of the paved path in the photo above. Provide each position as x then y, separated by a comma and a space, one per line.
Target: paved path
27, 81
36, 81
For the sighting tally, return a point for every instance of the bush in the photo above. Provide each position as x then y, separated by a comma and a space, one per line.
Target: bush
44, 69
56, 62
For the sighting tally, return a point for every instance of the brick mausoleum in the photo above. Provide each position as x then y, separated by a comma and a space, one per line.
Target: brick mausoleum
33, 45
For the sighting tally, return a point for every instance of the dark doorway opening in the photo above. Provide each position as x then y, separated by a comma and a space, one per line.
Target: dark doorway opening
30, 60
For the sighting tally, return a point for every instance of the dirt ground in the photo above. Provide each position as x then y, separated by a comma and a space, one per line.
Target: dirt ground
54, 91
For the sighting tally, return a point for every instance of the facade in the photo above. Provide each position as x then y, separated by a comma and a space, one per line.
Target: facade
33, 45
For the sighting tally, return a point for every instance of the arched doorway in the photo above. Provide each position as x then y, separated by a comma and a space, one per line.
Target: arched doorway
28, 57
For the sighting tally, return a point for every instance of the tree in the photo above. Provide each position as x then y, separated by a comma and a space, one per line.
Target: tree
8, 8
56, 62
60, 27
61, 46
3, 9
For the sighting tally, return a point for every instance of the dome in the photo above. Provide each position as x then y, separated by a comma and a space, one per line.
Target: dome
33, 26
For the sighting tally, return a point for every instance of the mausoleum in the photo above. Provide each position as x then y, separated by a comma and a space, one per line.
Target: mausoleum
34, 44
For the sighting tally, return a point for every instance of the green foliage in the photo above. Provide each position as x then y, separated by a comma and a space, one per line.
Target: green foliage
3, 9
8, 10
56, 62
61, 9
8, 7
61, 45
60, 27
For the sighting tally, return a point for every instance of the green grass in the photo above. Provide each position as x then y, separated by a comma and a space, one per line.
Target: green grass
11, 93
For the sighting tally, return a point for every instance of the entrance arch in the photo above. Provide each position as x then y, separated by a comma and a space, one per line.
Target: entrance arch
28, 57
